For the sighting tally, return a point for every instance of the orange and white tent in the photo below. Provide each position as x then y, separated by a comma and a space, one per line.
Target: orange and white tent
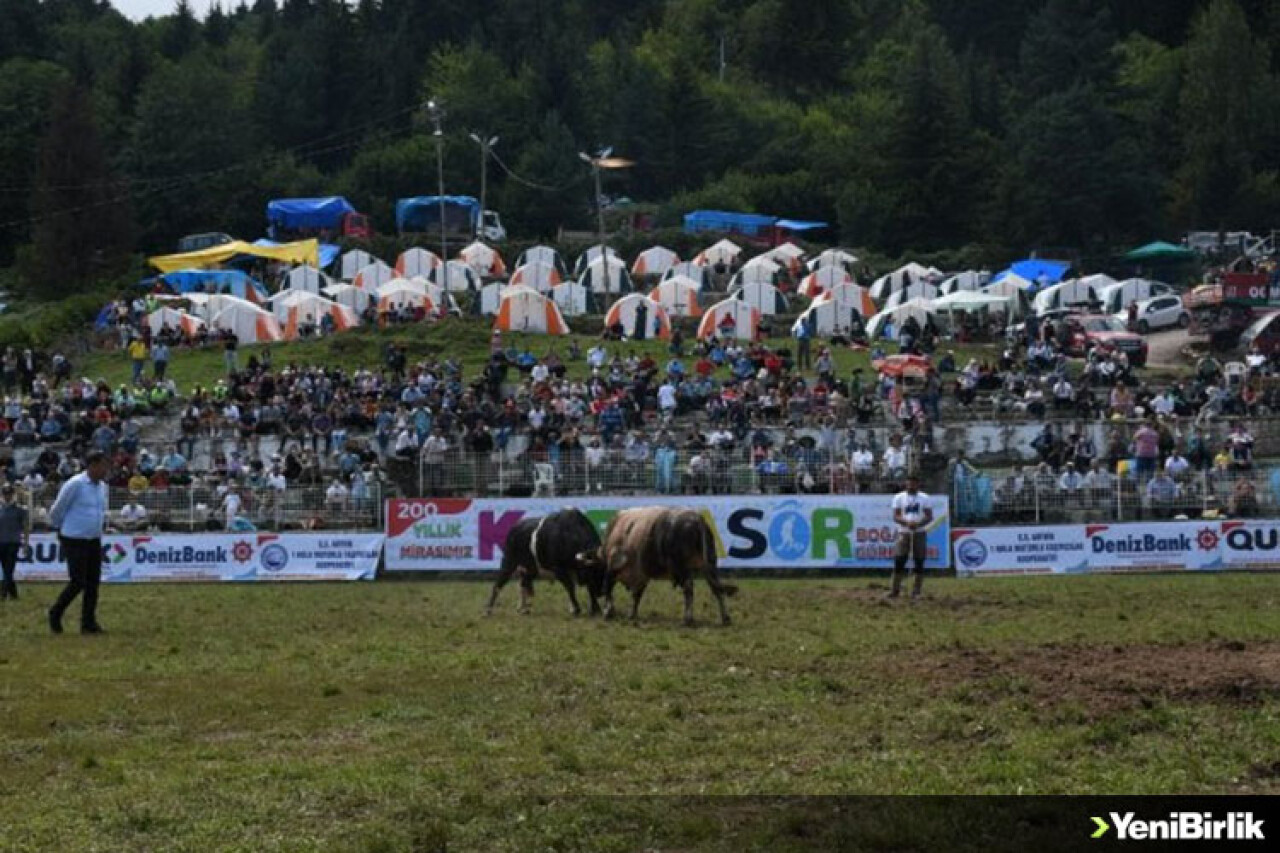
354, 261
305, 278
849, 297
313, 310
822, 280
525, 310
694, 272
608, 275
370, 278
641, 318
207, 306
349, 295
416, 262
180, 321
485, 260
757, 271
491, 297
765, 298
654, 261
573, 299
404, 293
455, 276
834, 258
679, 296
828, 318
732, 318
538, 275
542, 255
592, 255
725, 251
250, 324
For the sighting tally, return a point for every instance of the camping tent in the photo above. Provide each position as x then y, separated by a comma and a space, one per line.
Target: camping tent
834, 258
613, 279
972, 300
829, 318
756, 271
823, 279
187, 324
485, 260
308, 308
730, 318
539, 275
641, 318
1118, 296
590, 256
654, 261
1020, 304
416, 261
250, 323
900, 278
679, 296
526, 310
573, 299
917, 290
231, 282
1039, 272
349, 295
354, 261
543, 255
490, 299
688, 269
919, 309
968, 280
301, 252
403, 293
765, 298
373, 276
455, 276
206, 307
850, 297
305, 278
726, 251
1063, 295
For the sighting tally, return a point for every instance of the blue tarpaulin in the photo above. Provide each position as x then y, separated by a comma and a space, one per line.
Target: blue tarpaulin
233, 282
301, 213
1032, 269
750, 224
422, 213
801, 225
328, 251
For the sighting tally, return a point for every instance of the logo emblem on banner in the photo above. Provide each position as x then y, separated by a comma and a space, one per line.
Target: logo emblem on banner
274, 557
971, 553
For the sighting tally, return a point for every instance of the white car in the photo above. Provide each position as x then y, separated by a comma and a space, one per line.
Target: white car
1159, 312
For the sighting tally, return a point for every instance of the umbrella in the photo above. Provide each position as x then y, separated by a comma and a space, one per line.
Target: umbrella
1160, 252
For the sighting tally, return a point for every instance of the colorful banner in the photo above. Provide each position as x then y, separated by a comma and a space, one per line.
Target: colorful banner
216, 557
752, 532
1083, 549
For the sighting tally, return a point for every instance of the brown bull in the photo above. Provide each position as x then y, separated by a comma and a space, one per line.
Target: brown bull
653, 543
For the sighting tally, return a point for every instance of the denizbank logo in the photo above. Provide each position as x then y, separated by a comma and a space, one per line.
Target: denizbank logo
1181, 826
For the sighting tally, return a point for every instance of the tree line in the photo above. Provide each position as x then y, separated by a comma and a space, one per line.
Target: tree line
976, 130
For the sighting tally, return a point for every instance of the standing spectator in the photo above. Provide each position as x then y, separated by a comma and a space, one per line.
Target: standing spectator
15, 534
230, 344
433, 451
912, 515
1241, 442
160, 358
138, 357
231, 504
1146, 450
79, 514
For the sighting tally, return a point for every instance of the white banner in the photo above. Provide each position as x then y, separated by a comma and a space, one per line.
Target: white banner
765, 532
1251, 544
1081, 549
216, 557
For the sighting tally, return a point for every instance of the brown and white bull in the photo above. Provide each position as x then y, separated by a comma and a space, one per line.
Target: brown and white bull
656, 543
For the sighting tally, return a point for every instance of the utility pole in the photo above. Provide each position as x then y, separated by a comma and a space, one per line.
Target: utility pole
602, 160
435, 113
486, 145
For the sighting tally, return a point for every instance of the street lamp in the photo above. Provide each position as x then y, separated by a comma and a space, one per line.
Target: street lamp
485, 146
435, 113
602, 160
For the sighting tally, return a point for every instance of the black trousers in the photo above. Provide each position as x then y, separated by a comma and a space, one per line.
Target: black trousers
8, 563
84, 565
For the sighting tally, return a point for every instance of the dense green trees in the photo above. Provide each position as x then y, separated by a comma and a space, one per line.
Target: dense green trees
917, 126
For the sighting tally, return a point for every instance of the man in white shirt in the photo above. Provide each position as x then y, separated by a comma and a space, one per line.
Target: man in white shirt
596, 357
335, 497
863, 464
913, 516
433, 450
1163, 404
1100, 483
231, 507
1176, 466
1071, 482
133, 516
540, 373
667, 399
895, 462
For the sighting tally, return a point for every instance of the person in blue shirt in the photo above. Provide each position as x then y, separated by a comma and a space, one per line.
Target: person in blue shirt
78, 515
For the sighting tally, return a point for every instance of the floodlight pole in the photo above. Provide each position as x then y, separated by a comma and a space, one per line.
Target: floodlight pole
435, 113
594, 162
486, 145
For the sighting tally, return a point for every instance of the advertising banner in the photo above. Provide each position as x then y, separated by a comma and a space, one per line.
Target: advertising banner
216, 557
1251, 544
752, 532
1081, 549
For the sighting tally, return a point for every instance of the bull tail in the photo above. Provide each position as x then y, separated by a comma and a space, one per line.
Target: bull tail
709, 556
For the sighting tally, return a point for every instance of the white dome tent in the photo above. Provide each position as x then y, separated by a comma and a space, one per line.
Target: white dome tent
654, 261
250, 323
918, 290
416, 262
968, 280
829, 319
538, 275
349, 295
354, 261
850, 297
1064, 295
725, 251
484, 259
641, 318
455, 277
593, 254
370, 278
607, 276
688, 269
572, 299
834, 258
525, 310
543, 255
765, 298
490, 298
679, 296
920, 309
822, 280
901, 278
305, 278
732, 318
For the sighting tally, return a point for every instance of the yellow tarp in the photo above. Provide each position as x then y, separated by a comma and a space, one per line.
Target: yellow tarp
301, 252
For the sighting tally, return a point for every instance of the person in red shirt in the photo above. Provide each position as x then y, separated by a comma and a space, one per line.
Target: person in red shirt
704, 367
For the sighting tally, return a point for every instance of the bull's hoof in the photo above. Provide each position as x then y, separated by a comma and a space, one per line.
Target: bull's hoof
524, 611
575, 613
726, 621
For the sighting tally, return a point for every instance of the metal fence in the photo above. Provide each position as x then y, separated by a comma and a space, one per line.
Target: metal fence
1037, 496
197, 507
674, 472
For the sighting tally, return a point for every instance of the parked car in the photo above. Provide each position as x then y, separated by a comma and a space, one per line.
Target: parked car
1159, 312
1088, 331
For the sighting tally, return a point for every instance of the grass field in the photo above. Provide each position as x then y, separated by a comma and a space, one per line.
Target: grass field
393, 716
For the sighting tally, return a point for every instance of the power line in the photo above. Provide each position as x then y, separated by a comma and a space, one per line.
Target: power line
534, 184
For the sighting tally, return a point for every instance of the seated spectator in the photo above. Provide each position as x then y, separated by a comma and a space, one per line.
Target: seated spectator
335, 497
1244, 499
1071, 484
133, 516
1162, 495
50, 429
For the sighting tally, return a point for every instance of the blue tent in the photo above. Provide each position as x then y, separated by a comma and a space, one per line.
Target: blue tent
301, 213
233, 282
1032, 269
328, 251
422, 213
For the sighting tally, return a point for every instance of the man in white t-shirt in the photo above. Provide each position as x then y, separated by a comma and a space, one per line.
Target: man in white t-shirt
913, 516
133, 516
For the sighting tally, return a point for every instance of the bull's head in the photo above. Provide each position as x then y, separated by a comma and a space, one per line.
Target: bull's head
591, 561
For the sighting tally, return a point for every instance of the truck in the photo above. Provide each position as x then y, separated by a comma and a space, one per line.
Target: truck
327, 218
464, 219
755, 228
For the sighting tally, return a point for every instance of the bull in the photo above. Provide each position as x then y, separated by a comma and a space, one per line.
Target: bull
655, 543
548, 547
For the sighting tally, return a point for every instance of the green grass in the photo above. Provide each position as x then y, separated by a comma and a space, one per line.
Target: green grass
466, 339
393, 716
